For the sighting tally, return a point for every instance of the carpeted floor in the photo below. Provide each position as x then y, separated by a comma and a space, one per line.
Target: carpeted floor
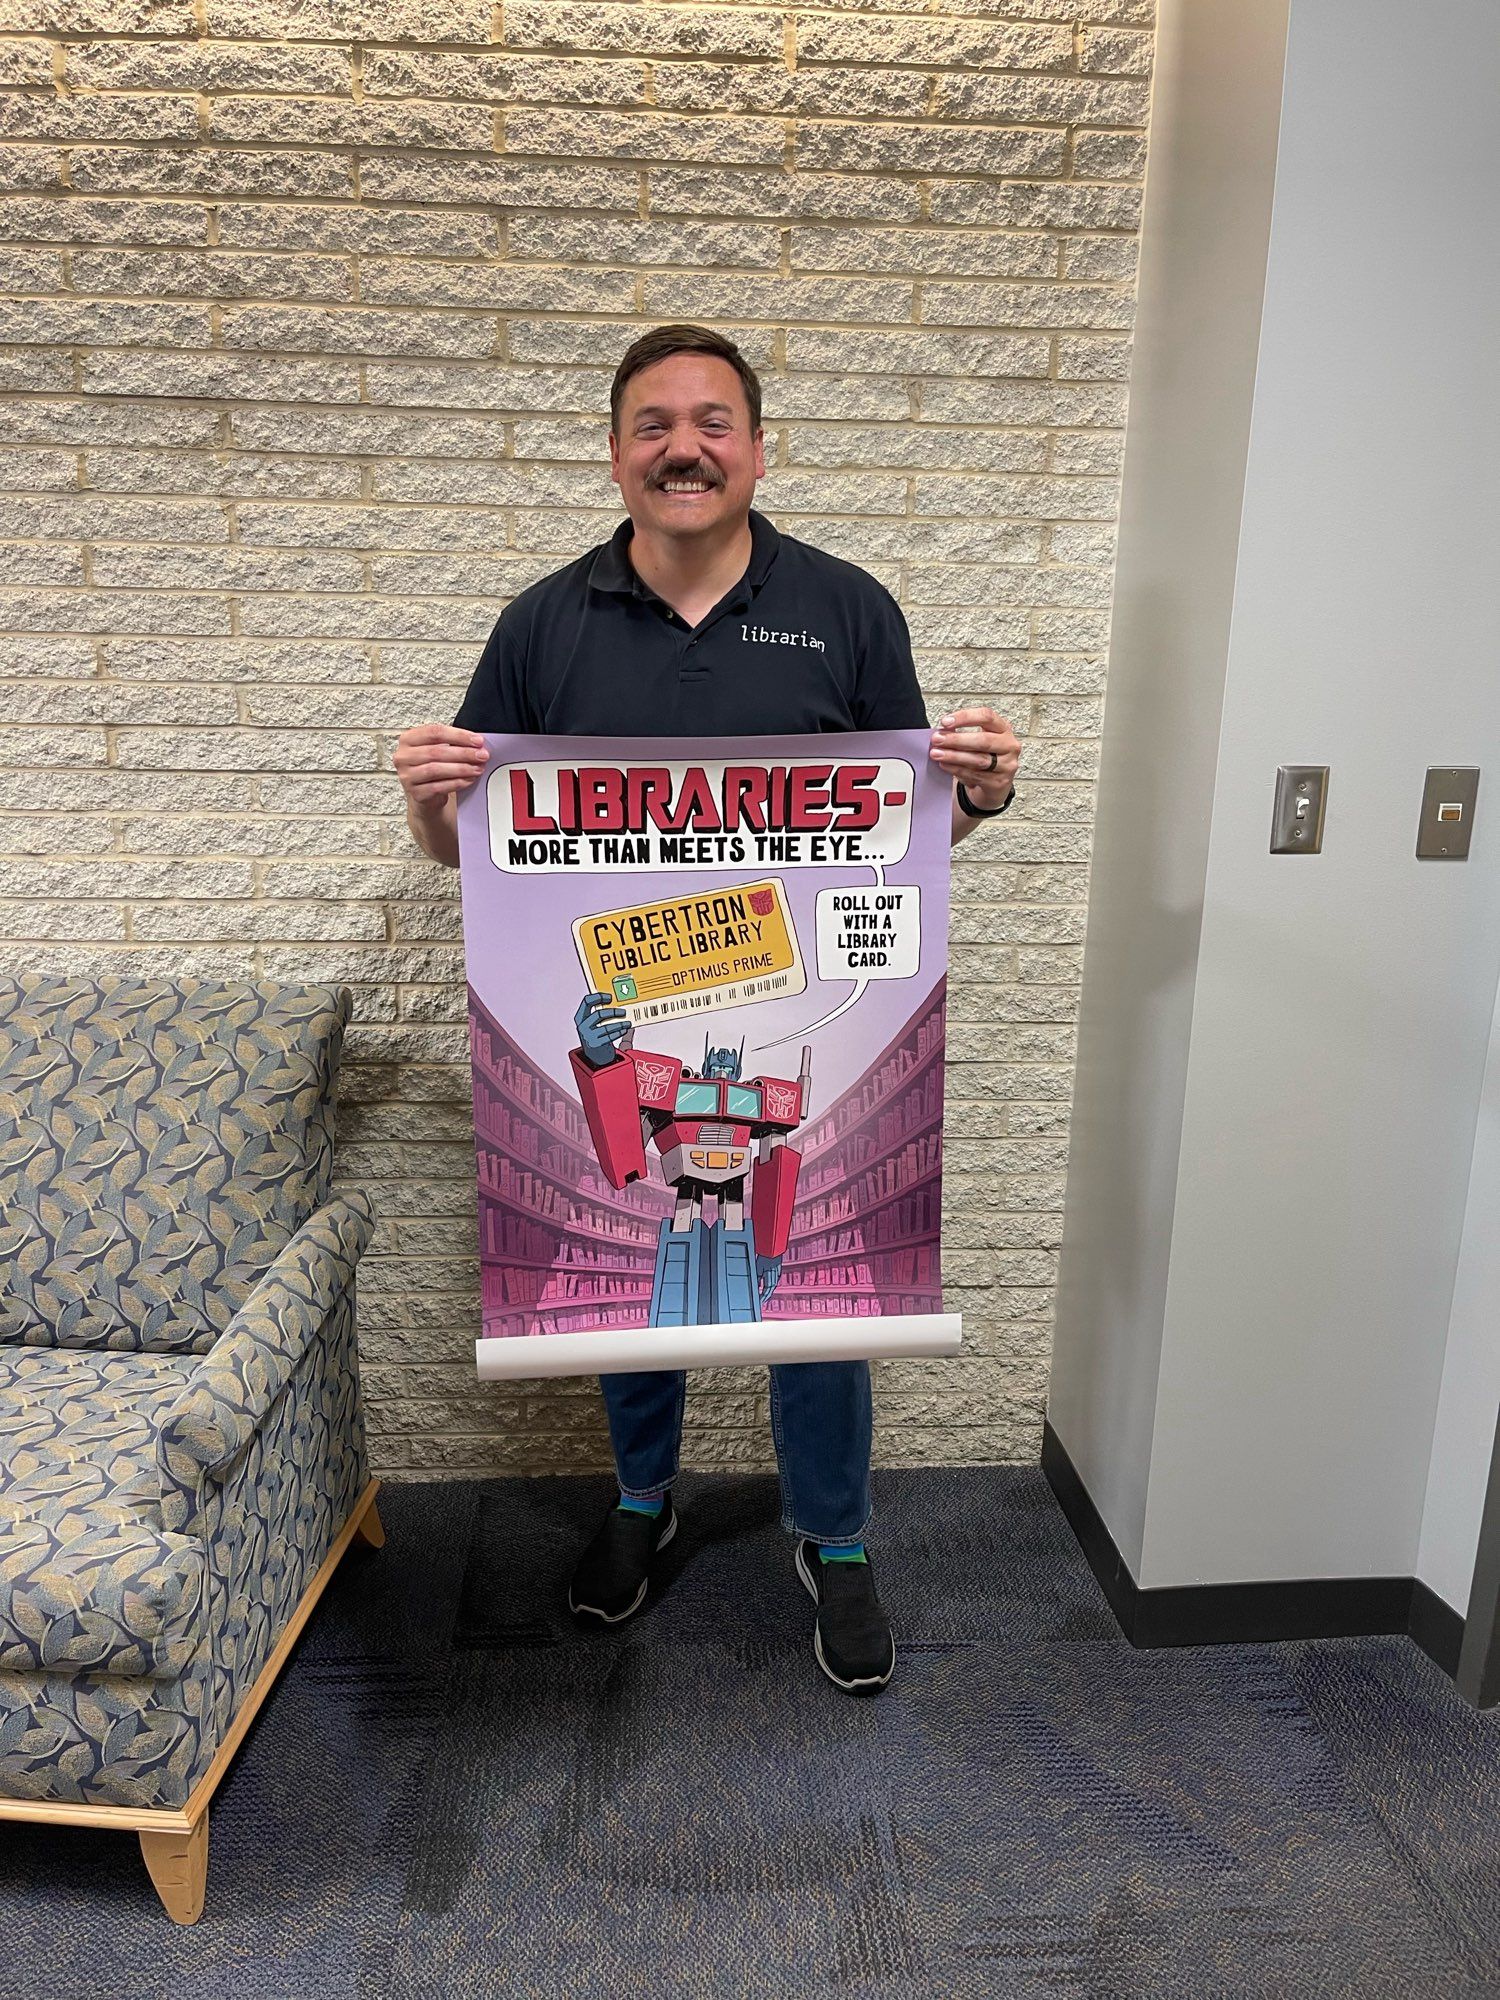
453, 1794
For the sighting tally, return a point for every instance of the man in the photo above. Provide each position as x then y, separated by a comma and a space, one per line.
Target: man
672, 627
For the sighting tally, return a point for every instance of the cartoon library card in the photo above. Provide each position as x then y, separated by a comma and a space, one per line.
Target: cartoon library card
706, 985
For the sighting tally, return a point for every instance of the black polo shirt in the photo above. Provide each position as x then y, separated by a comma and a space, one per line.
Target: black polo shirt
804, 642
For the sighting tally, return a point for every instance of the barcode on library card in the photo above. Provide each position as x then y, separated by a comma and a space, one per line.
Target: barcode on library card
686, 954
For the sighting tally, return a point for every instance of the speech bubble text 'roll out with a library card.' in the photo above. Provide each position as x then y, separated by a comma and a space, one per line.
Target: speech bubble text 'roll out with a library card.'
686, 954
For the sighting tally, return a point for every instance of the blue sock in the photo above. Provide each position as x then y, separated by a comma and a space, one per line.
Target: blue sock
633, 1503
830, 1553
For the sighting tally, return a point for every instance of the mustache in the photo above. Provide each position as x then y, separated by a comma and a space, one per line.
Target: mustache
707, 473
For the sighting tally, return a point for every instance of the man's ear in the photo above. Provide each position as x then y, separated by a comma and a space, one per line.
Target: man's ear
614, 458
760, 453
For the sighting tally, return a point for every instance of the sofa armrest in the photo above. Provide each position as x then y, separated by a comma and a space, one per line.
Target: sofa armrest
235, 1385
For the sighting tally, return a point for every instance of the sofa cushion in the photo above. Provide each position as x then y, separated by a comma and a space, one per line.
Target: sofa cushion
159, 1143
88, 1578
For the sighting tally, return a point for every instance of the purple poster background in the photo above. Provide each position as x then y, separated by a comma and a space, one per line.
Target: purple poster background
563, 1251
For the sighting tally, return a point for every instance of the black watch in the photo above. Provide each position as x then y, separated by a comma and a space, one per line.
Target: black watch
967, 806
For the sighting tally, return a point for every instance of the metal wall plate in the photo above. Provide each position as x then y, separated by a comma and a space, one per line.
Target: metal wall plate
1301, 799
1447, 812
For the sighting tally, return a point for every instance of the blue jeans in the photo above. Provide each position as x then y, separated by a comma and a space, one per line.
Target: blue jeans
820, 1420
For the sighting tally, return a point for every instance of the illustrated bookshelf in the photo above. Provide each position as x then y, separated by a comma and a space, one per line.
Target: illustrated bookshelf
562, 1251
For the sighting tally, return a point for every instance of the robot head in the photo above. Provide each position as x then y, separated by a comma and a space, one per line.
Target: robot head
723, 1062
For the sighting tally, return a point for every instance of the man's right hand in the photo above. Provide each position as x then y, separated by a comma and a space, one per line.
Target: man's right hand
435, 762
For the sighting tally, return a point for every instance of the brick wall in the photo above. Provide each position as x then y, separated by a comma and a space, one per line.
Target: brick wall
311, 307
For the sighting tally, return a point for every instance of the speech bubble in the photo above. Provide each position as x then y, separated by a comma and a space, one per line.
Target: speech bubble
869, 933
861, 977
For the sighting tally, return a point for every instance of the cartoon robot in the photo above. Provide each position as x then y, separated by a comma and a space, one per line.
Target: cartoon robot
705, 1127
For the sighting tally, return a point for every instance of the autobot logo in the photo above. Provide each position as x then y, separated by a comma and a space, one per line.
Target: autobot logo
655, 1080
762, 901
782, 1100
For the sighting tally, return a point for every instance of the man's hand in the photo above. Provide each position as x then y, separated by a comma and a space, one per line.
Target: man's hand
982, 749
435, 763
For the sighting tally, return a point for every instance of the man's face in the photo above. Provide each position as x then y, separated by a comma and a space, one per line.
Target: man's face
685, 458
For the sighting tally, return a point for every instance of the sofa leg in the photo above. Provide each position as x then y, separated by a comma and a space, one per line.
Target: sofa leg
178, 1863
370, 1529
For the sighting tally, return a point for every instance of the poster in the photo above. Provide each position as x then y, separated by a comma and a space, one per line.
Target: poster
706, 1009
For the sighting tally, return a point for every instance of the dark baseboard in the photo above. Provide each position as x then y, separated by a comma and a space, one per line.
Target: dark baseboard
1215, 1614
1436, 1626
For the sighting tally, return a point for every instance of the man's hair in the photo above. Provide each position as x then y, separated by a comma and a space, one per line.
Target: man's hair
664, 340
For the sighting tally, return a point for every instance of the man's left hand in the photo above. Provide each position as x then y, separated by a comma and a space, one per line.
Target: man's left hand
980, 747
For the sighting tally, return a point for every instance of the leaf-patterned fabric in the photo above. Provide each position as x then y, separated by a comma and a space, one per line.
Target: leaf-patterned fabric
159, 1144
161, 1513
87, 1577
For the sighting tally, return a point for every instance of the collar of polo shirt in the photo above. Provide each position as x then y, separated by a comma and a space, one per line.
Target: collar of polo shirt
613, 571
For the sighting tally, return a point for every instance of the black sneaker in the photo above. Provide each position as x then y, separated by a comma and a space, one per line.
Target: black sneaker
614, 1571
852, 1638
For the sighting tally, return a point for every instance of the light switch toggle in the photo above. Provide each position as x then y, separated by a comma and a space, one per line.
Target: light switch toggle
1297, 820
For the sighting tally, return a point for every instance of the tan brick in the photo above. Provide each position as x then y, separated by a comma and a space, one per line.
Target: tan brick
31, 271
939, 44
954, 401
31, 563
649, 31
75, 119
90, 923
614, 241
103, 322
767, 88
393, 232
1110, 156
1093, 358
643, 136
214, 171
89, 517
929, 149
1116, 51
25, 62
112, 610
686, 191
203, 66
1026, 305
969, 252
503, 79
226, 377
1044, 100
499, 183
106, 17
501, 287
31, 167
232, 475
352, 20
1106, 257
910, 447
282, 121
603, 342
33, 368
1037, 205
852, 299
46, 219
1077, 499
211, 274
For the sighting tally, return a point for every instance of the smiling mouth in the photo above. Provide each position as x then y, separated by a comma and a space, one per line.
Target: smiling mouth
687, 486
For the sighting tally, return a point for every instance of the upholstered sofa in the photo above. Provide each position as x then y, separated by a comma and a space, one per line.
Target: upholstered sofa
182, 1454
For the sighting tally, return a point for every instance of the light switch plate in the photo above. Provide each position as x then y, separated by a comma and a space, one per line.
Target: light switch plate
1447, 812
1301, 798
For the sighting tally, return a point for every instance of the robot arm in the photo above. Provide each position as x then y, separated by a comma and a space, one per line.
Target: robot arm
606, 1083
773, 1195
